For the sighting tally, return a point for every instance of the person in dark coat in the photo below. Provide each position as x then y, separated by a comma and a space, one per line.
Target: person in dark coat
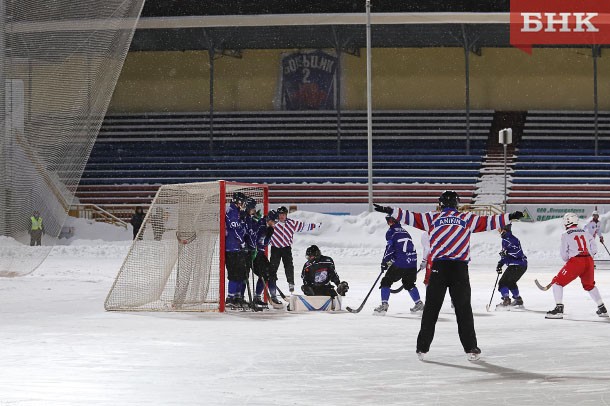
136, 220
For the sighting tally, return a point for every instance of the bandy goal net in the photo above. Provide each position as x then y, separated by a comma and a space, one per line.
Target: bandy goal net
176, 262
59, 64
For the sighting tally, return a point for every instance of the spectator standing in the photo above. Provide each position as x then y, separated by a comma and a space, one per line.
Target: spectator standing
36, 229
136, 220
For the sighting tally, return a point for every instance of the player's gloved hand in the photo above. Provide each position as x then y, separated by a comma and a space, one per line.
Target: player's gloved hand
383, 209
516, 215
342, 288
601, 239
384, 266
422, 265
503, 253
499, 269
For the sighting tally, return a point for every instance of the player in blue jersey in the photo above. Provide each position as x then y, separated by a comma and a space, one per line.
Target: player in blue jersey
235, 251
450, 232
400, 262
513, 257
250, 218
262, 268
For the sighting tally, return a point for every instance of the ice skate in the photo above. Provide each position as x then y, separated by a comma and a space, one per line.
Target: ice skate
504, 304
240, 304
230, 303
260, 303
291, 287
381, 310
421, 355
517, 303
419, 306
556, 313
276, 303
601, 311
474, 354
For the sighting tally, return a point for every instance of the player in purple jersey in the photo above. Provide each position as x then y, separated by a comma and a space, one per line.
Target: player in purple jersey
235, 251
400, 262
250, 219
516, 264
450, 233
262, 267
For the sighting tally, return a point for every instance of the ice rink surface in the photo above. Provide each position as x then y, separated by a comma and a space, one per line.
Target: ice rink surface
59, 347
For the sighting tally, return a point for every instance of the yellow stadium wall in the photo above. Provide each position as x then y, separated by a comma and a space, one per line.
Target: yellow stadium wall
410, 78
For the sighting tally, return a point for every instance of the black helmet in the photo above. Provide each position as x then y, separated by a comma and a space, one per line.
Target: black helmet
282, 210
238, 198
250, 203
506, 228
272, 215
449, 198
390, 220
313, 251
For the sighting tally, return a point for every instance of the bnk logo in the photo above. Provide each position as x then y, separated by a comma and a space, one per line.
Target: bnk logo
559, 22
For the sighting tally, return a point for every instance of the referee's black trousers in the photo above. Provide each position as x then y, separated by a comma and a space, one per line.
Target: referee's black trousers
283, 254
453, 275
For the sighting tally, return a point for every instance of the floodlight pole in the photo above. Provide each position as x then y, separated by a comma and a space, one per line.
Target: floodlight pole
596, 54
369, 107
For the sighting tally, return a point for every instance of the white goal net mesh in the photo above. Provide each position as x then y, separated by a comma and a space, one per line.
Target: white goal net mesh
59, 63
175, 262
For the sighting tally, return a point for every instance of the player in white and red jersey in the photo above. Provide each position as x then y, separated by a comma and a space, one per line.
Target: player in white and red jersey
426, 263
593, 226
449, 232
577, 250
281, 243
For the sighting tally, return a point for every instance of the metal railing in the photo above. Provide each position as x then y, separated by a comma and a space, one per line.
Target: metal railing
482, 209
96, 213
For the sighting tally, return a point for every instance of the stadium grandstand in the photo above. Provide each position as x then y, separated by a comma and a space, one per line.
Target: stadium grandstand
206, 94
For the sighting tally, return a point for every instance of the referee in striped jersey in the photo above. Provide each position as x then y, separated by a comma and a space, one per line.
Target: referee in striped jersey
281, 243
450, 232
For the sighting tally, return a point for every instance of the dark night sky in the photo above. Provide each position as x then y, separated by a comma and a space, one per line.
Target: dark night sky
159, 8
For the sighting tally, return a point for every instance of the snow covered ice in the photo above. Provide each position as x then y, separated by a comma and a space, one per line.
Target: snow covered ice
59, 346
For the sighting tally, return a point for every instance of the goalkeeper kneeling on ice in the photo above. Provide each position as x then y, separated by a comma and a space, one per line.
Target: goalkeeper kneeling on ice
318, 272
